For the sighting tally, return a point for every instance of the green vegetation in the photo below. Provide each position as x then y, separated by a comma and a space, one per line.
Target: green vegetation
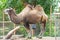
18, 6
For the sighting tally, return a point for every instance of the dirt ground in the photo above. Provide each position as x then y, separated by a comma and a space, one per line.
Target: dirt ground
34, 38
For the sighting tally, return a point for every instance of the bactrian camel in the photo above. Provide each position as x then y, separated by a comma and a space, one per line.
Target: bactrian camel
29, 15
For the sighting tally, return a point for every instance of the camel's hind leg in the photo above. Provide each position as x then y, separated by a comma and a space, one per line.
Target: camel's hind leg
33, 29
42, 29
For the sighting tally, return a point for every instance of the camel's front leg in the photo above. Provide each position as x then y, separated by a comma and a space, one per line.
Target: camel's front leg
29, 33
42, 29
28, 30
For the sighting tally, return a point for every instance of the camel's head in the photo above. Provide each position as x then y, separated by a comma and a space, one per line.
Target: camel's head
8, 10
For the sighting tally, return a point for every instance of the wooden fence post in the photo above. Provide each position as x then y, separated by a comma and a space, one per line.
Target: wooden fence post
50, 19
3, 26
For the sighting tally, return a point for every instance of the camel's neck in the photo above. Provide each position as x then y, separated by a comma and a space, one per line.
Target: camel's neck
14, 18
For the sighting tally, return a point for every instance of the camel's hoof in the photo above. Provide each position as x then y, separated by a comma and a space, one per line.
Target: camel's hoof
39, 37
29, 37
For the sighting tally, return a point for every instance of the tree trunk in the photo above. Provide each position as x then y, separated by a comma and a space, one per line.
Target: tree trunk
8, 36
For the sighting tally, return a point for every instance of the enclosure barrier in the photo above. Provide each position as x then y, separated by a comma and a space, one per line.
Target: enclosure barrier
57, 23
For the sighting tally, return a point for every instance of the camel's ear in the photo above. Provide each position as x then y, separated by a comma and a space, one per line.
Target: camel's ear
14, 9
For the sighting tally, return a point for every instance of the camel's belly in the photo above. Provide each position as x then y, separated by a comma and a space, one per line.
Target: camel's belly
33, 18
